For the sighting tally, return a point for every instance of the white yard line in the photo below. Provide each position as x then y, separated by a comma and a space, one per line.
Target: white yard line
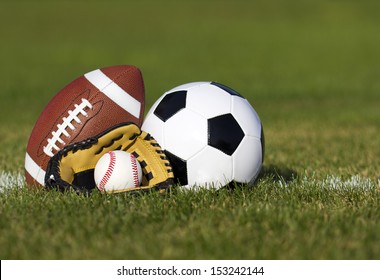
11, 180
352, 182
334, 182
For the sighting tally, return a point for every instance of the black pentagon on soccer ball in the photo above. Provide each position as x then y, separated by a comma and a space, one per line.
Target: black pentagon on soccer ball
227, 89
170, 105
179, 168
262, 138
224, 133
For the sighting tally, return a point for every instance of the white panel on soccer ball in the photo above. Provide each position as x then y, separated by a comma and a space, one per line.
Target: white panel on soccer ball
185, 134
246, 116
209, 168
209, 101
247, 160
153, 125
187, 86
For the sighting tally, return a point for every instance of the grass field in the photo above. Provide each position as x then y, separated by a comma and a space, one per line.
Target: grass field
310, 69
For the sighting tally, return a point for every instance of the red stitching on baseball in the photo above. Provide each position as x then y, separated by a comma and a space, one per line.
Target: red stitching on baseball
135, 172
109, 171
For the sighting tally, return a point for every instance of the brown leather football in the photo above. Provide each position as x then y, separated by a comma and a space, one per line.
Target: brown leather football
87, 106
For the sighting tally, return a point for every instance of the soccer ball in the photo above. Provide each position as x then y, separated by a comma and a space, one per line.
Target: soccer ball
210, 133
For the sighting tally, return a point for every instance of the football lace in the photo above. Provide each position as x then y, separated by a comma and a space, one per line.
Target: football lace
67, 123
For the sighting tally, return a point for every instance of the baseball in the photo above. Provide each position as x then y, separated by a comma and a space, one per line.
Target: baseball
117, 171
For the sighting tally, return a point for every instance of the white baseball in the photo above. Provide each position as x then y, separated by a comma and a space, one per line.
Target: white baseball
117, 171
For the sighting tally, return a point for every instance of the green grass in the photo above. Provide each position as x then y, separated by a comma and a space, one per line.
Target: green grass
264, 222
309, 68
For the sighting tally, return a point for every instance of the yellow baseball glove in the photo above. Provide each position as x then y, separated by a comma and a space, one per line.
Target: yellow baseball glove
73, 166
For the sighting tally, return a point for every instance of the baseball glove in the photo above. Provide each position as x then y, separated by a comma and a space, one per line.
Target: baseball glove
73, 166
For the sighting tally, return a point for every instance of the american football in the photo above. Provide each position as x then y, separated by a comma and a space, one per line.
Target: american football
85, 107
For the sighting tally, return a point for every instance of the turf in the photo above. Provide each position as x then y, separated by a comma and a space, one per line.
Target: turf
311, 71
